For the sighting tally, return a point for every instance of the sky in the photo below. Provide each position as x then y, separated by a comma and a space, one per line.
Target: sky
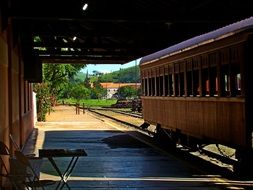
108, 68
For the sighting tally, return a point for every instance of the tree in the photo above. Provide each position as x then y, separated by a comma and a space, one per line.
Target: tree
97, 91
127, 92
79, 92
87, 80
96, 73
43, 100
66, 92
58, 75
55, 79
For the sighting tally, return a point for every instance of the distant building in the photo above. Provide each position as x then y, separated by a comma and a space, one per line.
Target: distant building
112, 88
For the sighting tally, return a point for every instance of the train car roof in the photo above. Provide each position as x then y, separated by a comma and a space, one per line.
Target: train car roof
200, 40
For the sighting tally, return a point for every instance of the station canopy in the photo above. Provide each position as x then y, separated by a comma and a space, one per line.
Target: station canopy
115, 31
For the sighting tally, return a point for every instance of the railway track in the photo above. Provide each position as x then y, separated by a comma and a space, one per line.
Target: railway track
121, 111
212, 154
129, 119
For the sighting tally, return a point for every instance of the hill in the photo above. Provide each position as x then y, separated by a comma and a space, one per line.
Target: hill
128, 75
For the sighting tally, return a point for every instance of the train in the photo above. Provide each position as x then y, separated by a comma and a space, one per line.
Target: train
200, 91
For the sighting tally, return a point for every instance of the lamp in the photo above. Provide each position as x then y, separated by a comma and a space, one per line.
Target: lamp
85, 6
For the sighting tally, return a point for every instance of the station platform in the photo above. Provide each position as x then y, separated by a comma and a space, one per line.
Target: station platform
116, 160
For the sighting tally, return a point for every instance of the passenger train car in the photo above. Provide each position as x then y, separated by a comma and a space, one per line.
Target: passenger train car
200, 90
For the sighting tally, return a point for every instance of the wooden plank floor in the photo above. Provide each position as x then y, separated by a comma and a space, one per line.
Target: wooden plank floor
116, 160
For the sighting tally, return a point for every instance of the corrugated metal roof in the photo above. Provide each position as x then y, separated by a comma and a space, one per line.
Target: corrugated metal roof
200, 40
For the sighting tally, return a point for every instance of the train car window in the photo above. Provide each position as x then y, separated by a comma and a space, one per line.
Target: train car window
213, 81
153, 86
171, 85
157, 83
189, 77
235, 79
176, 84
149, 86
196, 76
171, 81
181, 84
166, 85
161, 86
238, 84
205, 82
196, 85
232, 83
213, 75
142, 82
225, 80
177, 79
165, 81
183, 90
162, 73
152, 83
144, 87
157, 86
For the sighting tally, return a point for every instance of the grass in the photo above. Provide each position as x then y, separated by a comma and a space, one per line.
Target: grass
91, 102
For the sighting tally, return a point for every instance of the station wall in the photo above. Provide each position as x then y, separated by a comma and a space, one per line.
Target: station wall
16, 99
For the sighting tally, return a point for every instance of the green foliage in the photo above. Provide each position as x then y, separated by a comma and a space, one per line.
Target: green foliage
55, 82
127, 92
87, 81
66, 91
92, 102
57, 75
97, 91
129, 75
62, 81
79, 92
78, 78
43, 100
97, 73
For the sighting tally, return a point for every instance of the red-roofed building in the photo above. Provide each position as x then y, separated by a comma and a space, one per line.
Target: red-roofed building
112, 88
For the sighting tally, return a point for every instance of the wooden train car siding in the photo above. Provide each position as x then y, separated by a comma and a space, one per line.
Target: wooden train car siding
201, 91
215, 120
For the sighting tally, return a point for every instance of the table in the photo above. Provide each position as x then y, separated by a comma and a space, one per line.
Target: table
50, 154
